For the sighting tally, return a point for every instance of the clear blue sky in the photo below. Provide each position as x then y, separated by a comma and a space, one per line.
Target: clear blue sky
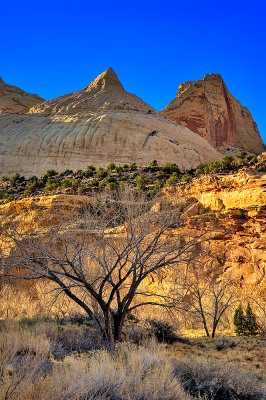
56, 47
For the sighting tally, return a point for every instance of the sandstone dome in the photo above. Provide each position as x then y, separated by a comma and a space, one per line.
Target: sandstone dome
15, 100
97, 125
207, 108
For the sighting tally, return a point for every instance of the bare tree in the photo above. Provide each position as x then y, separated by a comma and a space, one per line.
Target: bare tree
102, 267
207, 293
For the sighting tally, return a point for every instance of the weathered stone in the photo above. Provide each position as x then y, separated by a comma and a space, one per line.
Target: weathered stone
97, 125
15, 101
207, 108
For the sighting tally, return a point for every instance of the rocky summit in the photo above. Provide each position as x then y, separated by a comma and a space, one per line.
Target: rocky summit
15, 100
207, 108
97, 125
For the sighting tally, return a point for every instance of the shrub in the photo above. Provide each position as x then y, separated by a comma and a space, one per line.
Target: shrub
17, 178
66, 183
125, 167
208, 380
100, 173
90, 170
169, 168
31, 187
51, 172
186, 178
173, 180
141, 182
225, 343
4, 179
51, 186
227, 162
133, 166
154, 163
254, 160
68, 172
241, 155
111, 167
164, 332
133, 175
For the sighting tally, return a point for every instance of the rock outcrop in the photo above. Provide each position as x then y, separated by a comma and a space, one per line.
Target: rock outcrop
15, 101
207, 108
97, 125
239, 202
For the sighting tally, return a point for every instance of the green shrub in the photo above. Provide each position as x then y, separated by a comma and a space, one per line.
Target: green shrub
254, 160
141, 182
51, 186
154, 163
31, 187
169, 168
133, 175
17, 178
80, 173
125, 167
66, 183
133, 166
68, 172
186, 178
4, 179
100, 173
227, 162
90, 170
173, 180
111, 167
51, 172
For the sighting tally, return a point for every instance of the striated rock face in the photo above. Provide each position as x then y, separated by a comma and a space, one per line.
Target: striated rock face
97, 125
15, 101
240, 245
207, 108
239, 201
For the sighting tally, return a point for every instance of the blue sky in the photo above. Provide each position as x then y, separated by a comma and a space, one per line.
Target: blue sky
56, 47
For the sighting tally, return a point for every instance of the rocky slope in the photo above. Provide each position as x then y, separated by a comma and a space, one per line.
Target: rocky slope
97, 125
207, 108
15, 101
239, 202
240, 243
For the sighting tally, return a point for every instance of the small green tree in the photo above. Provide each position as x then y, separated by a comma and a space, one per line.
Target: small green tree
245, 324
251, 324
154, 163
239, 321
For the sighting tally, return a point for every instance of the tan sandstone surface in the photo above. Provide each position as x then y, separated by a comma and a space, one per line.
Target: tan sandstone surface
207, 108
97, 125
239, 201
241, 242
15, 101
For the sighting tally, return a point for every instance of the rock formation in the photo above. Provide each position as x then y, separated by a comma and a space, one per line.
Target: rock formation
241, 242
97, 125
15, 101
207, 108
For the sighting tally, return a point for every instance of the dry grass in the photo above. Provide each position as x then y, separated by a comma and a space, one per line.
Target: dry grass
150, 371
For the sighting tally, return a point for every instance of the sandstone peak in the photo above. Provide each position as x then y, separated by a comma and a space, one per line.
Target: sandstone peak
106, 80
104, 93
207, 108
14, 100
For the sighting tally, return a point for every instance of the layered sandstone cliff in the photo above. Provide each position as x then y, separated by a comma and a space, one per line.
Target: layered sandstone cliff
207, 108
239, 203
97, 125
15, 101
240, 243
